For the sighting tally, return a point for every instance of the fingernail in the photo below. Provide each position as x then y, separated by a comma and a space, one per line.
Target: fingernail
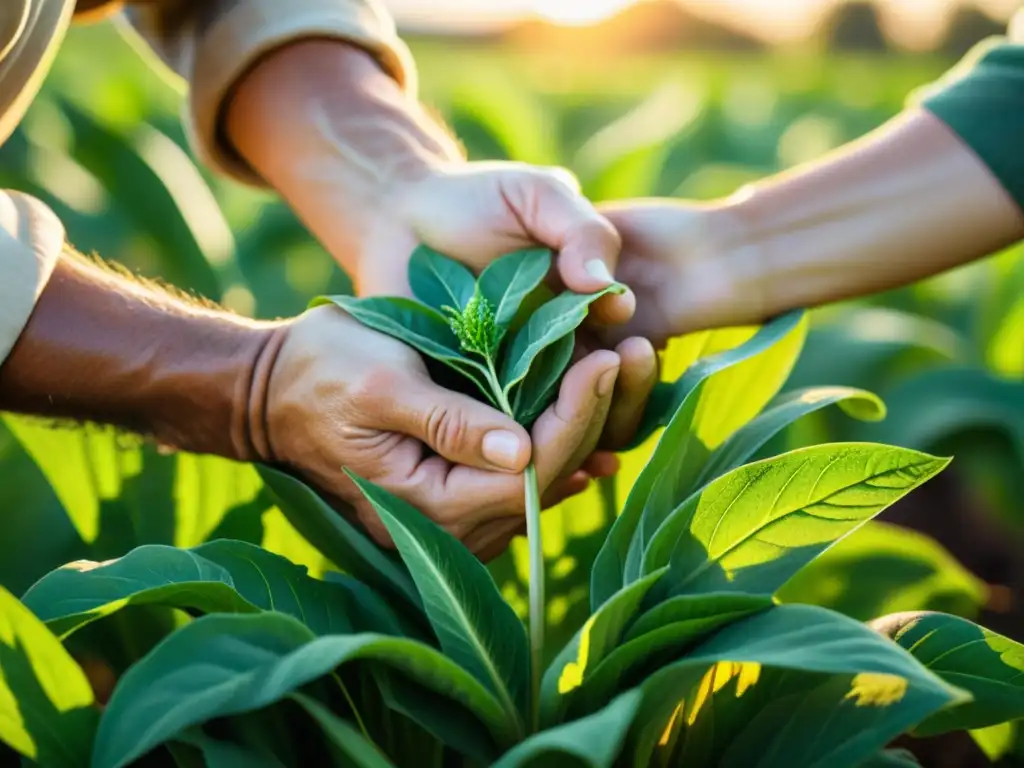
501, 448
598, 270
607, 382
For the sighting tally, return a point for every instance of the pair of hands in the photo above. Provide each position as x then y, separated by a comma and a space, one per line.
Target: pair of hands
456, 459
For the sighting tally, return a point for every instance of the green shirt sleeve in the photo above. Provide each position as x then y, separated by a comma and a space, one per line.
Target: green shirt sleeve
982, 101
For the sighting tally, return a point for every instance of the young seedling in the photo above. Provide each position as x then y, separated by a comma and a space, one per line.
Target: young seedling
505, 333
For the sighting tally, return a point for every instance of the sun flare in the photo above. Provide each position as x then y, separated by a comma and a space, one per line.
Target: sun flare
577, 12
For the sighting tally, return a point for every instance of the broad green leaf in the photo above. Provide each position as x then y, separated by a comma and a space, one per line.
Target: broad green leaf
421, 327
585, 652
714, 409
47, 711
590, 742
883, 568
476, 627
507, 281
559, 317
988, 665
699, 614
874, 672
770, 352
222, 665
540, 386
340, 541
361, 752
666, 462
438, 281
798, 718
778, 415
663, 633
752, 529
219, 577
892, 758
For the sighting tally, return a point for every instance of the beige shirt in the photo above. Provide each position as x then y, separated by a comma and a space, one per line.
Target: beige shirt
210, 43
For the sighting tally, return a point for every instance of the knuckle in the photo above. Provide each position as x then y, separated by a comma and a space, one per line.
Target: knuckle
562, 177
447, 429
376, 382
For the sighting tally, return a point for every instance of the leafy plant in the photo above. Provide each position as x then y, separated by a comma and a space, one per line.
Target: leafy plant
463, 323
688, 656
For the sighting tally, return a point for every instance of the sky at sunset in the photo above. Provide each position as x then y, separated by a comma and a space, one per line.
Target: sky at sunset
778, 19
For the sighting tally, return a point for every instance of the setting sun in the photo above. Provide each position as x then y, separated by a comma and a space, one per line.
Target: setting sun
577, 11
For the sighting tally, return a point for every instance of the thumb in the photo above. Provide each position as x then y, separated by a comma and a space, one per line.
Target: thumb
457, 427
554, 213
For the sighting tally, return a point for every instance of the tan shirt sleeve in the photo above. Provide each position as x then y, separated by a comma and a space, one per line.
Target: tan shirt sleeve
31, 240
212, 43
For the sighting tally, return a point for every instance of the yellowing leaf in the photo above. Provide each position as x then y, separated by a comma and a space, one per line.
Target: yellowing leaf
572, 673
874, 689
714, 680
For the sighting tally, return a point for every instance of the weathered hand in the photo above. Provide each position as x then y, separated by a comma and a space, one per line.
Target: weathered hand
341, 395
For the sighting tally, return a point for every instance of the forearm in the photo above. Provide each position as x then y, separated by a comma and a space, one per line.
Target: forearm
335, 135
906, 202
101, 347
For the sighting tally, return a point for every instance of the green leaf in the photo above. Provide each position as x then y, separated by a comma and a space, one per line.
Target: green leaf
438, 281
222, 665
590, 742
219, 577
421, 327
588, 648
883, 568
770, 352
988, 665
540, 386
755, 527
559, 317
507, 281
340, 541
779, 414
361, 752
663, 633
475, 626
653, 486
449, 723
46, 702
714, 409
877, 677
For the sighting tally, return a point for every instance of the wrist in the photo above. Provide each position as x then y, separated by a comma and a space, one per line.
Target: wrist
720, 277
337, 137
99, 348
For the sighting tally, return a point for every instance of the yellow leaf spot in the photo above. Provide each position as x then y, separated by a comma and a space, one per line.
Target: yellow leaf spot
671, 724
572, 673
747, 673
873, 689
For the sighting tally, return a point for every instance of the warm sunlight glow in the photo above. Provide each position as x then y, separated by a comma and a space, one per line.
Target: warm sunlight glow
577, 12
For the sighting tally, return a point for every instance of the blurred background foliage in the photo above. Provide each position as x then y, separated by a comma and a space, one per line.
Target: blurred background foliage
671, 105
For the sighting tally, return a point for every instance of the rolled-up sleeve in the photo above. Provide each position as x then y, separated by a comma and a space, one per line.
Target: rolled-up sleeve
982, 101
213, 43
31, 240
